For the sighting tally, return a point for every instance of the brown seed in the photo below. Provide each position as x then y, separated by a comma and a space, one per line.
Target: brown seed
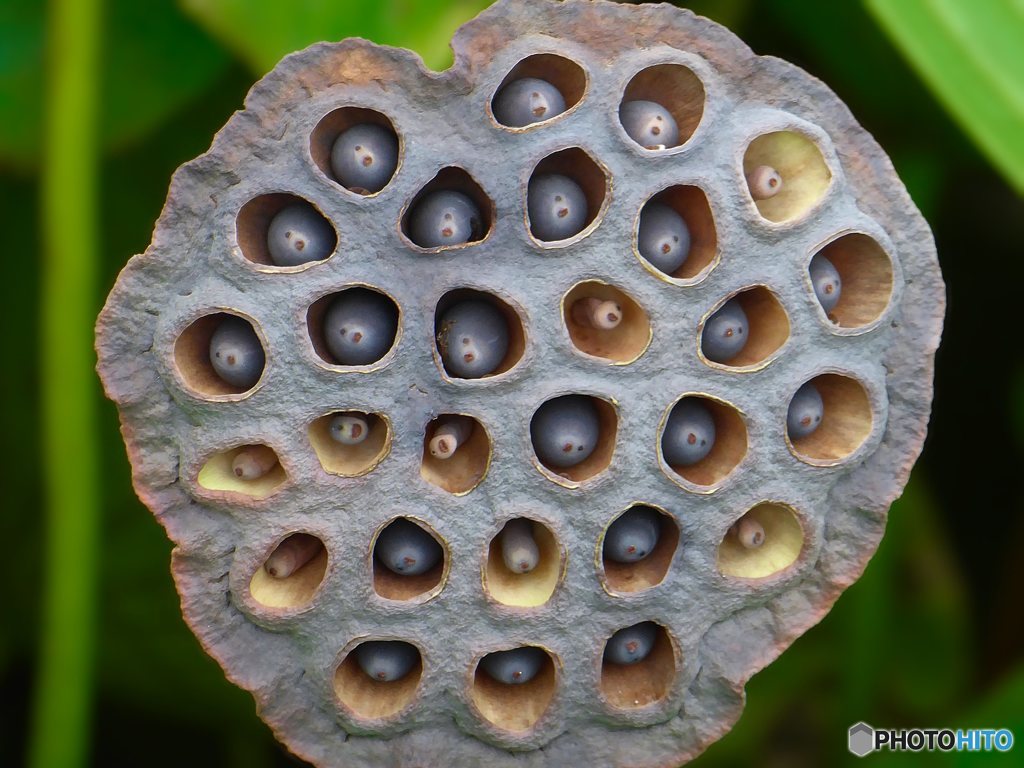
291, 554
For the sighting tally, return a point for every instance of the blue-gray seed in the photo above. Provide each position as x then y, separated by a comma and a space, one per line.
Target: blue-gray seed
236, 353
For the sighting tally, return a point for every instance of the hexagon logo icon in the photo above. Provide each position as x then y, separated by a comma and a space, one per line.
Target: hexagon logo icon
861, 739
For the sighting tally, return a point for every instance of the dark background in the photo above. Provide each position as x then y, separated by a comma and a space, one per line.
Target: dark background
933, 635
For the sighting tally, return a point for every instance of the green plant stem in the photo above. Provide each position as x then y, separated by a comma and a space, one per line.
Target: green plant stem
63, 695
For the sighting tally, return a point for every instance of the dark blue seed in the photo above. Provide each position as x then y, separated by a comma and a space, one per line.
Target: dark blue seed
299, 234
406, 549
445, 218
557, 207
649, 124
633, 535
527, 101
360, 326
473, 339
725, 333
828, 286
664, 238
386, 660
364, 157
632, 644
514, 667
565, 430
236, 353
689, 433
806, 411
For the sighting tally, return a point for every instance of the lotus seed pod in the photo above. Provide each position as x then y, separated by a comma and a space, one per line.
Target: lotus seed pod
720, 609
299, 234
649, 124
689, 433
445, 218
764, 182
557, 207
749, 532
386, 660
349, 428
407, 549
514, 667
291, 554
473, 339
726, 333
806, 411
253, 462
451, 433
595, 313
633, 535
631, 644
565, 430
663, 238
236, 353
360, 326
364, 157
828, 286
518, 546
526, 101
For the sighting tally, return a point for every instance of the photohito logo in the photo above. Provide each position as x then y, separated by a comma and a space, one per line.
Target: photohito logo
862, 740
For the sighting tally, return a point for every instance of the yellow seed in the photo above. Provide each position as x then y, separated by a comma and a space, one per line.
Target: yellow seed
449, 434
764, 182
253, 462
749, 532
595, 313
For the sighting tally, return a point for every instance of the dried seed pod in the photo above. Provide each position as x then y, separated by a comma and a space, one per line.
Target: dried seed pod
519, 549
451, 433
253, 462
291, 554
602, 315
285, 639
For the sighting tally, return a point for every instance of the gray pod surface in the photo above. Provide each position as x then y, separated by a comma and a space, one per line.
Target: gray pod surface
722, 610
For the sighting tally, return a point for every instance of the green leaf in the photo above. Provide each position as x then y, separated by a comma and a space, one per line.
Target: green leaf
969, 54
261, 33
155, 60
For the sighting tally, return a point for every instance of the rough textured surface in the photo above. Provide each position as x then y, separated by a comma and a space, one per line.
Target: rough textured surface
724, 629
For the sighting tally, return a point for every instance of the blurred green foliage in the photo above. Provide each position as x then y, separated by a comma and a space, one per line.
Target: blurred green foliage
932, 635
